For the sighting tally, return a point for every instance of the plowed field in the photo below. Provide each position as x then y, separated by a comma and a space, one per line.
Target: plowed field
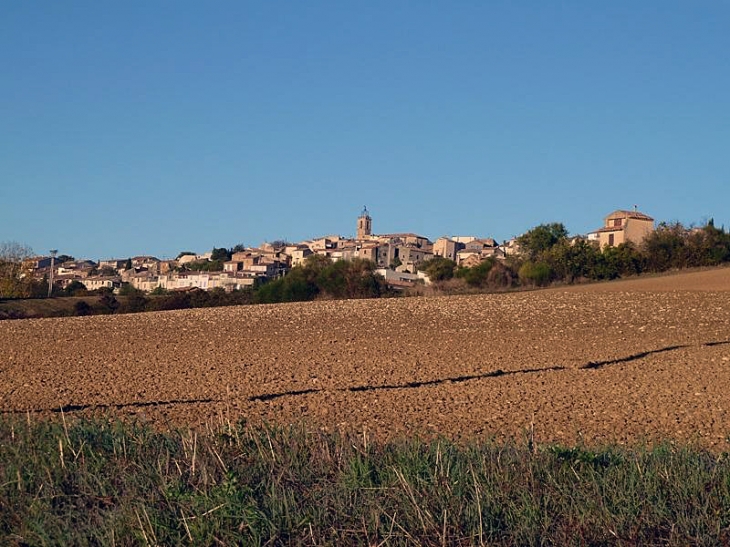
620, 362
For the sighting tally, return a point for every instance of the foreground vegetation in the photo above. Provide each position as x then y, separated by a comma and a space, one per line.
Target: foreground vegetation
108, 483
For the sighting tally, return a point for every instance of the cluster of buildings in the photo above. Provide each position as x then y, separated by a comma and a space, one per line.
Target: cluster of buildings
397, 256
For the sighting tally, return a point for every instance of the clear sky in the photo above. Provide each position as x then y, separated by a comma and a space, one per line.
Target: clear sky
151, 127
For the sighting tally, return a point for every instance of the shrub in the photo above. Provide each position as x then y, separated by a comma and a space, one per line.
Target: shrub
82, 307
535, 274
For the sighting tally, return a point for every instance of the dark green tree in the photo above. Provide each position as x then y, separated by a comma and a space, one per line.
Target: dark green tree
535, 274
127, 289
541, 238
108, 303
477, 276
75, 288
707, 246
220, 254
205, 266
665, 247
82, 307
439, 269
571, 260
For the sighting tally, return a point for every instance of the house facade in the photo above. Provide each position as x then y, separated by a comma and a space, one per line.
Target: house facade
447, 248
623, 226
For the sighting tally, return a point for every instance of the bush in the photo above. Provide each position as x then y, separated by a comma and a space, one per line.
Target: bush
318, 276
108, 303
134, 303
535, 274
75, 288
476, 276
82, 307
439, 269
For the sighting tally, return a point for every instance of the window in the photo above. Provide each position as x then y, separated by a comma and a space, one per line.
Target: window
610, 240
617, 222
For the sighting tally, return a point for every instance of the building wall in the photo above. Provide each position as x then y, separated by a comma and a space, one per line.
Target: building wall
632, 229
636, 230
612, 238
445, 248
299, 256
369, 253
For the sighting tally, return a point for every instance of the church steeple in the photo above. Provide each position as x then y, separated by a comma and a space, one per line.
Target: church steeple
364, 225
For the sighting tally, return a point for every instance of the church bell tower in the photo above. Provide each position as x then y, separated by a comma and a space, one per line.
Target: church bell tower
364, 225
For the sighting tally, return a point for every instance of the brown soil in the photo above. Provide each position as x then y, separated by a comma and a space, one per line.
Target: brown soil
621, 362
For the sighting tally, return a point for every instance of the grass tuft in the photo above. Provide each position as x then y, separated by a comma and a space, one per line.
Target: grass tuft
112, 483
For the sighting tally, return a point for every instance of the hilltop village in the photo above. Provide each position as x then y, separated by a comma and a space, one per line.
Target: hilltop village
397, 257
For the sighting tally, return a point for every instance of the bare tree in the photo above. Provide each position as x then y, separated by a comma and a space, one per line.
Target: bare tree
15, 279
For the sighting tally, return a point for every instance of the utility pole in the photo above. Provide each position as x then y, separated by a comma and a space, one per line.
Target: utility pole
50, 277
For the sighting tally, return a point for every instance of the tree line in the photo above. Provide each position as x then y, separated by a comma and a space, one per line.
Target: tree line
547, 255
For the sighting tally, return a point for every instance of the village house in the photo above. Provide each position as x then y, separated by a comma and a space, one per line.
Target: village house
402, 280
299, 254
345, 252
324, 243
188, 258
511, 247
79, 268
446, 247
116, 264
150, 263
368, 251
411, 258
623, 226
406, 239
96, 282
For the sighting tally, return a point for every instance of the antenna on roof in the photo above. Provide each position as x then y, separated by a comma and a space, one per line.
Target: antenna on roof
636, 208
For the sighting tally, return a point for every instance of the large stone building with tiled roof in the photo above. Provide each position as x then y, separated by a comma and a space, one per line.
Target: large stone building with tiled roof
623, 226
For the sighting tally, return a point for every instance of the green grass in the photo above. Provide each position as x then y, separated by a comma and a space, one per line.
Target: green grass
111, 483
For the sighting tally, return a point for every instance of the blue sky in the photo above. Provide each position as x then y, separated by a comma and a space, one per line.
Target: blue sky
154, 127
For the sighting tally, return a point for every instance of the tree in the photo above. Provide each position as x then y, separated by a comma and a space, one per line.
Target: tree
439, 268
621, 260
108, 303
205, 266
127, 289
82, 307
708, 246
477, 276
75, 288
15, 278
541, 238
665, 247
571, 260
350, 279
220, 254
535, 273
